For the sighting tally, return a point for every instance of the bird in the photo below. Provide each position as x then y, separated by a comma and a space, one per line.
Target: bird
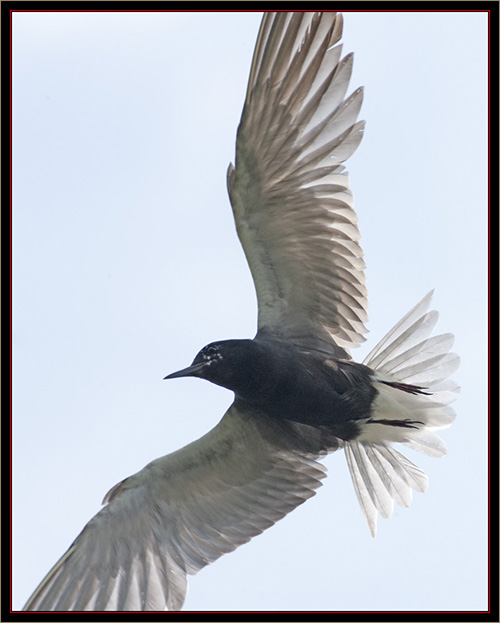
298, 393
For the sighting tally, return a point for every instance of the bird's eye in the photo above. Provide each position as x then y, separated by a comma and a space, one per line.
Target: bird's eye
211, 352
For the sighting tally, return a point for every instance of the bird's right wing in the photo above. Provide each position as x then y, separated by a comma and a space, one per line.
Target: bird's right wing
289, 192
182, 511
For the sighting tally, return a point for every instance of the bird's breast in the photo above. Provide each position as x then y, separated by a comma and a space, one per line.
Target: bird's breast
313, 390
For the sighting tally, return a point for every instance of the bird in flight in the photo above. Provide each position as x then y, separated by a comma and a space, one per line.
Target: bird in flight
298, 395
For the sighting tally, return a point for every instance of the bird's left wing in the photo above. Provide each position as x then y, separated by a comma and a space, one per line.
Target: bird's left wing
289, 192
183, 511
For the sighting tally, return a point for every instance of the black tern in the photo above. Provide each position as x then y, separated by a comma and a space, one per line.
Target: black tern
298, 395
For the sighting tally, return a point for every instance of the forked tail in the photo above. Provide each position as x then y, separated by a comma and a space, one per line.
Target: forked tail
412, 371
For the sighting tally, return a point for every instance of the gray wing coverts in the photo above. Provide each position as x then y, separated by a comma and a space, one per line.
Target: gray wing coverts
289, 192
183, 511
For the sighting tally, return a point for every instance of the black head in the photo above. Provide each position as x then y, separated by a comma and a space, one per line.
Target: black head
230, 363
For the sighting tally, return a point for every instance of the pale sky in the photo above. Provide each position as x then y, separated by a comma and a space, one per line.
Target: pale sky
126, 263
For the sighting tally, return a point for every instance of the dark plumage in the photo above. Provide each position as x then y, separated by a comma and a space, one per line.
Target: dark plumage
289, 383
298, 394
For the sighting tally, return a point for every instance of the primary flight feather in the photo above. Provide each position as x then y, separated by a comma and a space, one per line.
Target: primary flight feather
298, 394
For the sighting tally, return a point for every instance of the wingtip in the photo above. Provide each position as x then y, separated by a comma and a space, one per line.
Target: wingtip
338, 28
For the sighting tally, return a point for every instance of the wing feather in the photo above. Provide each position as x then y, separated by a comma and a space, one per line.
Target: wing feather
289, 192
183, 511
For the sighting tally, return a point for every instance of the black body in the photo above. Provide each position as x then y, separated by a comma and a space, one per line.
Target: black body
289, 383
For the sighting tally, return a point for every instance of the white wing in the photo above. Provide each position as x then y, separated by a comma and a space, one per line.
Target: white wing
289, 191
183, 511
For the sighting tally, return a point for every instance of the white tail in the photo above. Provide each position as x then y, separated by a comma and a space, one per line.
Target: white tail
407, 354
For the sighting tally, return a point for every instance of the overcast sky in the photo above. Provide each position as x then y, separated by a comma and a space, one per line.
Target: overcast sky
126, 263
